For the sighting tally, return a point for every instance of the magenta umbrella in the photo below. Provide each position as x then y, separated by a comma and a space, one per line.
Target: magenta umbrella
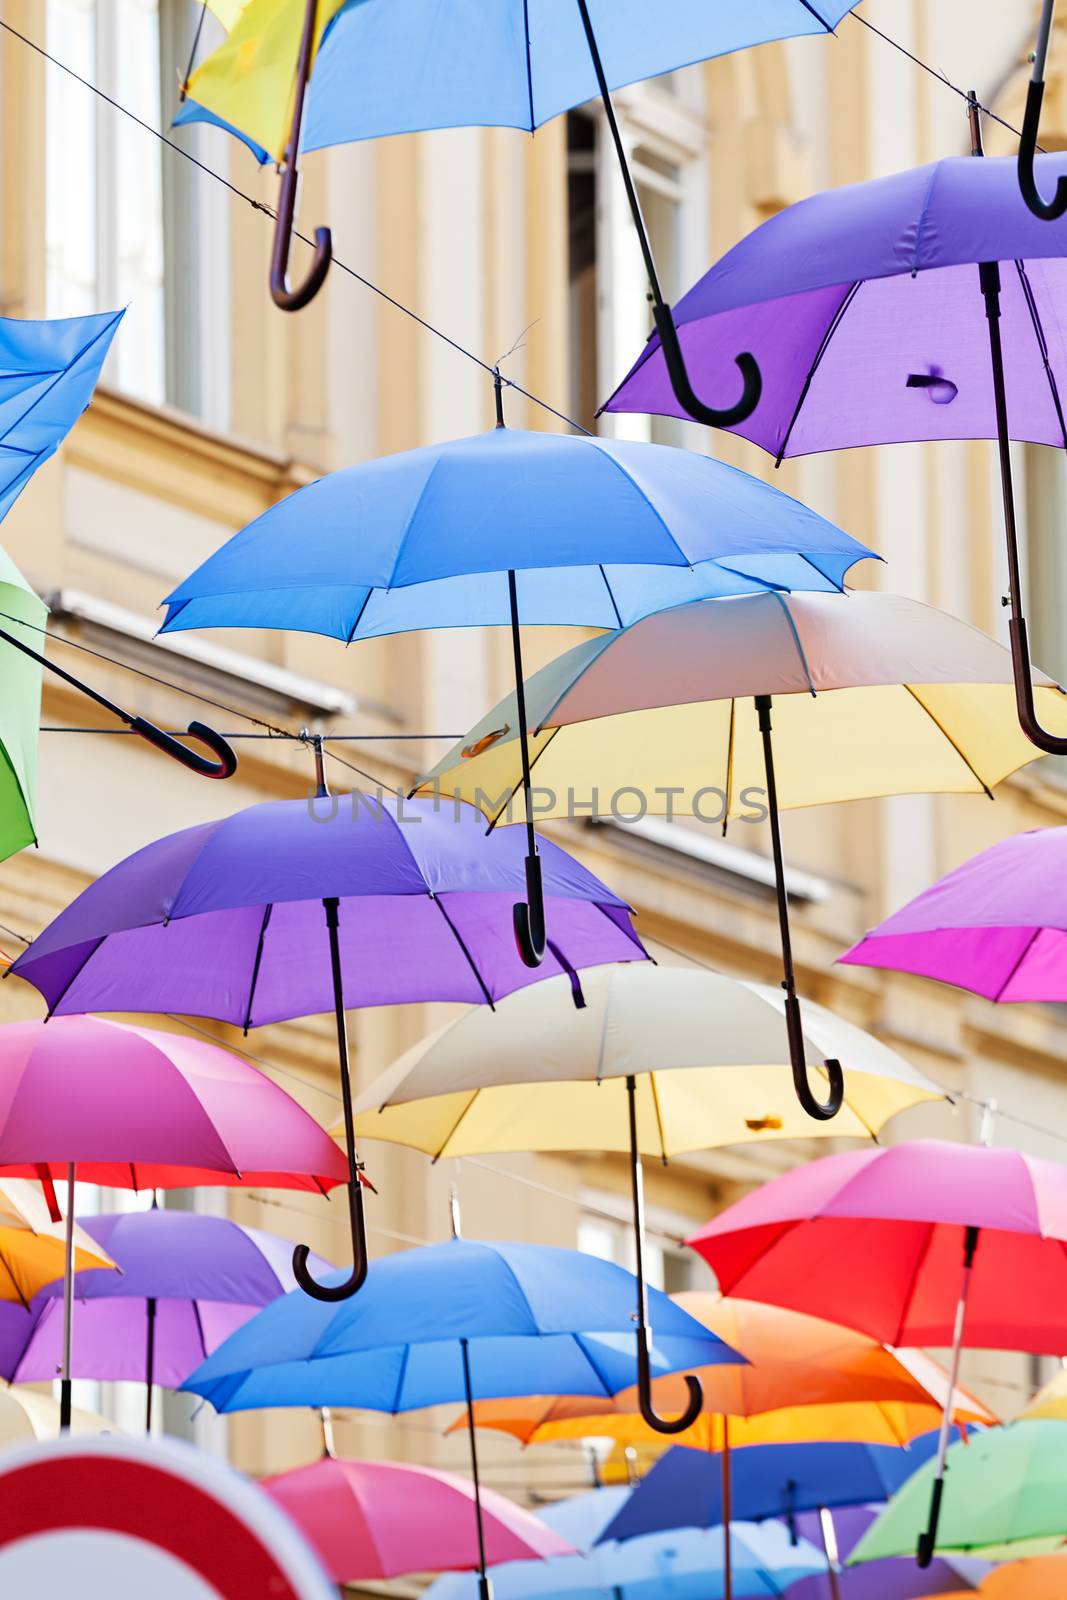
380, 1519
997, 925
876, 1240
137, 1109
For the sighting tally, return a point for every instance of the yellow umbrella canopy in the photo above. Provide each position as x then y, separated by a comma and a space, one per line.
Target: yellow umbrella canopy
873, 694
808, 1380
32, 1245
1051, 1401
539, 1074
26, 1416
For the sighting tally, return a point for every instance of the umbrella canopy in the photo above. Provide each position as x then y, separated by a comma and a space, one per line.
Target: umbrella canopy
32, 1245
1034, 1578
380, 1519
807, 1240
806, 1381
1050, 1401
540, 1075
685, 1490
530, 1315
893, 1579
186, 1282
426, 539
1006, 1488
26, 1417
20, 701
873, 694
996, 925
135, 1108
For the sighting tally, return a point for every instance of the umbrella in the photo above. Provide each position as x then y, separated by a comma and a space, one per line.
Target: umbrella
48, 371
677, 708
868, 308
892, 1579
1007, 1489
384, 68
543, 1076
20, 700
133, 1108
461, 1320
1050, 1401
477, 530
282, 911
186, 1282
381, 1519
33, 1244
995, 925
1033, 1578
808, 1239
26, 1417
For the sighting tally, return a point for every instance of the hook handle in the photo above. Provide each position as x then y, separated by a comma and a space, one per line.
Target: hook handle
928, 1540
1053, 744
333, 1292
223, 766
528, 920
683, 390
819, 1110
694, 1405
285, 298
1047, 210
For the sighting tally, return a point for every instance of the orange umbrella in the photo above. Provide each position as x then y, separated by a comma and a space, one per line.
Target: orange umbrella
1037, 1578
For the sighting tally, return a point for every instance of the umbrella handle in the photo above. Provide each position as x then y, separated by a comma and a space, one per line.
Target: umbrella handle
694, 1405
928, 1540
225, 764
819, 1110
285, 298
684, 392
1053, 744
1047, 210
528, 919
333, 1292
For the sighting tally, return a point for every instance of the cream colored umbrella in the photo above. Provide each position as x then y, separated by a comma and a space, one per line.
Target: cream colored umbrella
872, 694
26, 1415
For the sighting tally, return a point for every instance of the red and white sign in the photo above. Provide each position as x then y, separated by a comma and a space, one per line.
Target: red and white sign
122, 1519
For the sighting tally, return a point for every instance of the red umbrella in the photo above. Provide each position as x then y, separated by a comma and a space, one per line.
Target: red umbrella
926, 1243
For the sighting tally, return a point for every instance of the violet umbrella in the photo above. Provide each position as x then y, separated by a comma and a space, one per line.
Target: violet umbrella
891, 1579
874, 1239
136, 1109
291, 908
185, 1283
865, 306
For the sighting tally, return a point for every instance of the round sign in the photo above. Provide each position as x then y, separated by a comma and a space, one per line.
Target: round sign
122, 1518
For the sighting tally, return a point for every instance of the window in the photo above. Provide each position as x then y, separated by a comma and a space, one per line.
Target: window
668, 1266
128, 222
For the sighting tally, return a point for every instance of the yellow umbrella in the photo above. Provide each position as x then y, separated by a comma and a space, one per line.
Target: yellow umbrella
32, 1245
1051, 1401
872, 694
26, 1416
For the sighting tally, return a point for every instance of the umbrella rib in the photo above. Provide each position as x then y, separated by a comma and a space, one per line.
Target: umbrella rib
611, 595
946, 735
454, 1129
1042, 344
796, 639
463, 946
529, 64
268, 908
401, 1375
359, 614
920, 1261
659, 1117
63, 371
516, 786
72, 980
1019, 961
729, 764
824, 345
818, 17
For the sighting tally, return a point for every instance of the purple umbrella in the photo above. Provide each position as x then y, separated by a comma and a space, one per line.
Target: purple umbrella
292, 907
921, 306
186, 1283
996, 926
897, 1579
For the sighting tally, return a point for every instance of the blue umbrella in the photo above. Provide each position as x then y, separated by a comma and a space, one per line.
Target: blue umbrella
399, 66
48, 371
685, 1487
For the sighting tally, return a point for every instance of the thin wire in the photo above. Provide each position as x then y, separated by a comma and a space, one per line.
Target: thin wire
299, 738
258, 205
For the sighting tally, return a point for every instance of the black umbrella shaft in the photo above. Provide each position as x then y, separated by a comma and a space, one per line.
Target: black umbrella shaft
520, 711
637, 1189
149, 1361
68, 677
485, 1587
332, 907
727, 1512
763, 710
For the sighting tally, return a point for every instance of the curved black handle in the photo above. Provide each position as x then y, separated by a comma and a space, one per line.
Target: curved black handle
928, 1540
819, 1110
683, 389
1053, 744
694, 1405
528, 920
360, 1260
284, 298
224, 764
1047, 210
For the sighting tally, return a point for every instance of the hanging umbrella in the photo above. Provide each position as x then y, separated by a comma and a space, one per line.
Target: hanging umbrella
1033, 1578
383, 67
1007, 1489
48, 371
283, 911
26, 1417
185, 1283
919, 1211
543, 1076
382, 1519
133, 1108
995, 925
909, 307
476, 532
873, 695
893, 1579
32, 1244
456, 1321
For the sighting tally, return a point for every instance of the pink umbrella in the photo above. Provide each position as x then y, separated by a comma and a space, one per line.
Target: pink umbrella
377, 1519
876, 1239
137, 1109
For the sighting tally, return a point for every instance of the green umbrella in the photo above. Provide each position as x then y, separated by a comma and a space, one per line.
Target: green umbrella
20, 704
1004, 1489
